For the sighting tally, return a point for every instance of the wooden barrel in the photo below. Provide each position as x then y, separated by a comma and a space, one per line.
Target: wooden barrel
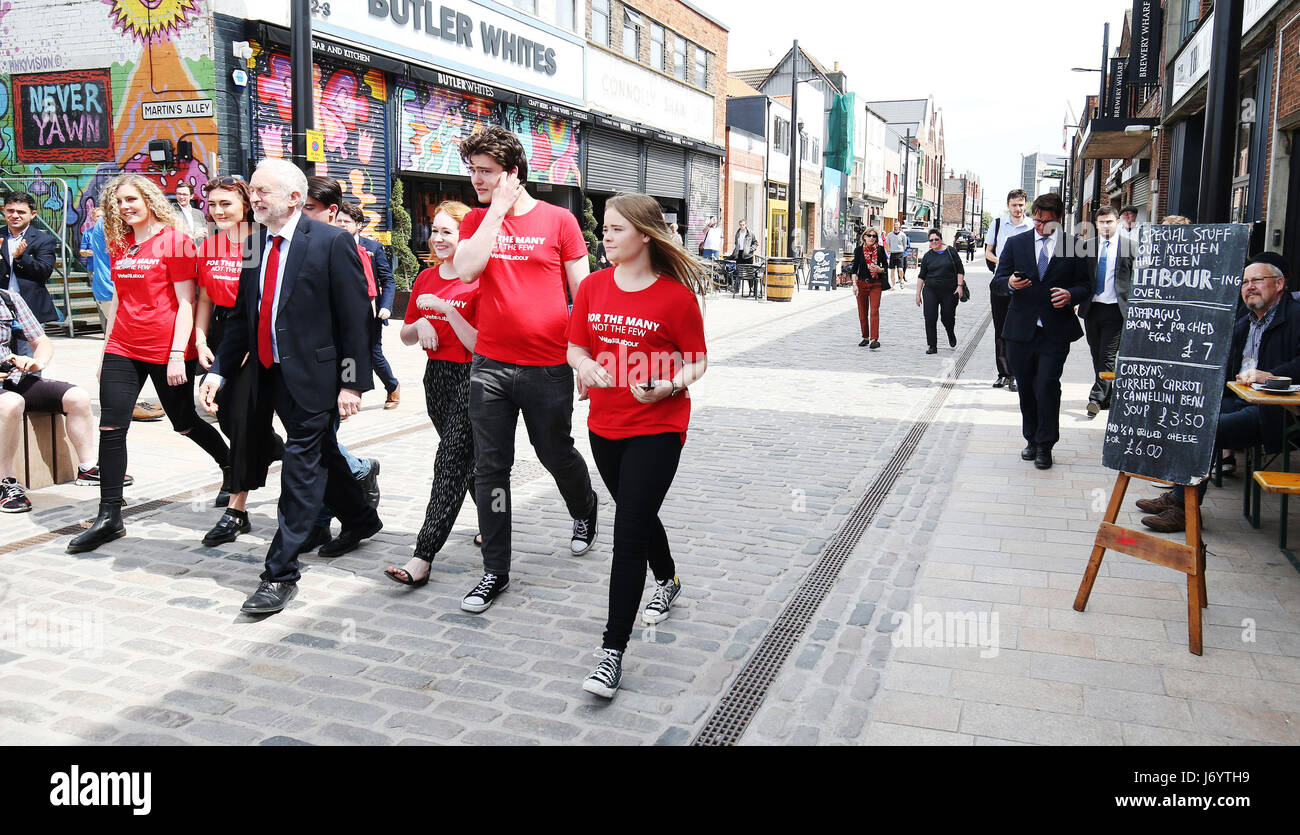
780, 281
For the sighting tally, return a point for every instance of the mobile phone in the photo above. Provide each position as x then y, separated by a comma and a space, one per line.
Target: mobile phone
1019, 274
648, 385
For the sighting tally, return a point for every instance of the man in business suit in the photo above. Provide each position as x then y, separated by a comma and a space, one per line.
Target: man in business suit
379, 273
300, 318
26, 261
1110, 264
1046, 282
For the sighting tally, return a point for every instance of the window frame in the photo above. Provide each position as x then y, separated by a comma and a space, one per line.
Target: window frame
632, 20
603, 38
662, 43
679, 67
701, 66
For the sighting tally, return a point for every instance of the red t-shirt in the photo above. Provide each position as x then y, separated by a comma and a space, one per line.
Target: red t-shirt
637, 337
220, 263
462, 296
523, 308
146, 299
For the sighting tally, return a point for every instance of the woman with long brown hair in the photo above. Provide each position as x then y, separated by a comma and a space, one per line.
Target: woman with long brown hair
636, 341
441, 319
221, 261
151, 336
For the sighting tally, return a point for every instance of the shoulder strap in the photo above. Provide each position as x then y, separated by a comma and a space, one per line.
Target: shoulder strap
997, 227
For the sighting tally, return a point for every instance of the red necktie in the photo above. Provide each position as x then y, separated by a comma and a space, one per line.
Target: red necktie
370, 272
264, 352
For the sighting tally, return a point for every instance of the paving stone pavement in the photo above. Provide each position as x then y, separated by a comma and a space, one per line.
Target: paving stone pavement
792, 423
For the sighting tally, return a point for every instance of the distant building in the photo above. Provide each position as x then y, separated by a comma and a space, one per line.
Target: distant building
1037, 167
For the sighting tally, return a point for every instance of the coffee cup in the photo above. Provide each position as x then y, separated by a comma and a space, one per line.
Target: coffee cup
1278, 384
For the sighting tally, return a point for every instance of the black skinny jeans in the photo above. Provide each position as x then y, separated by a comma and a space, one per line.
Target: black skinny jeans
938, 303
120, 382
638, 472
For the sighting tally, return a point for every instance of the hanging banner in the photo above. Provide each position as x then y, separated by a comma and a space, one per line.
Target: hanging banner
1144, 54
1116, 89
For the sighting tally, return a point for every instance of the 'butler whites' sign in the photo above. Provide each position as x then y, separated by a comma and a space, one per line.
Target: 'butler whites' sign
465, 37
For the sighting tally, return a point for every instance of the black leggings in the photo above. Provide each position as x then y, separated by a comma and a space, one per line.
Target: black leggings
120, 383
638, 472
938, 304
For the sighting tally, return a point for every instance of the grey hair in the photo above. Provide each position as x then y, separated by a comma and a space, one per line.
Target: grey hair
287, 175
1273, 270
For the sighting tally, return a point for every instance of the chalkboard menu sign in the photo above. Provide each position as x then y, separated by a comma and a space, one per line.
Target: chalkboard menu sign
63, 116
823, 269
1169, 374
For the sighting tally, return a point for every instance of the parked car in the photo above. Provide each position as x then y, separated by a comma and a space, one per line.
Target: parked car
918, 241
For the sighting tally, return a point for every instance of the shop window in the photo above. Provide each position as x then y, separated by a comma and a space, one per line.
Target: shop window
631, 34
600, 22
781, 134
657, 46
701, 69
679, 57
529, 6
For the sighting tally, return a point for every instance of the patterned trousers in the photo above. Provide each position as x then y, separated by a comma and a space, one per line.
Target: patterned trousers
446, 397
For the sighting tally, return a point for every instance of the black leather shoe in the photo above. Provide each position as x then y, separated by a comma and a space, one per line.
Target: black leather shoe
1043, 460
348, 539
864, 343
932, 350
223, 496
1011, 385
108, 526
320, 535
1029, 453
269, 597
228, 527
999, 382
370, 484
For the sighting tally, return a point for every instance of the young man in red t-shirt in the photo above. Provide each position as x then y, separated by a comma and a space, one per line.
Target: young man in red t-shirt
528, 257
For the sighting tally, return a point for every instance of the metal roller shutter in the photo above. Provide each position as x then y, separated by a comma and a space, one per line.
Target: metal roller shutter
1141, 191
665, 172
702, 201
613, 162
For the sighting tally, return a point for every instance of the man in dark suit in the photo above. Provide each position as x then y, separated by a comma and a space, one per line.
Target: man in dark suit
301, 319
1110, 264
1046, 282
352, 219
26, 261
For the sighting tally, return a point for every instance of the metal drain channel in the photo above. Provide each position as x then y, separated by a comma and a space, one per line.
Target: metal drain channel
742, 699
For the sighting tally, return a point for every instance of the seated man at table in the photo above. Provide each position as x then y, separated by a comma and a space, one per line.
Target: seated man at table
1265, 343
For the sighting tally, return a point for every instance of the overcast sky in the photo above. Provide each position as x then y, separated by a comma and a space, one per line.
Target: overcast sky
969, 55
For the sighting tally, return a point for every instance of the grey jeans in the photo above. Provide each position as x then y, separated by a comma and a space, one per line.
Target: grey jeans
498, 393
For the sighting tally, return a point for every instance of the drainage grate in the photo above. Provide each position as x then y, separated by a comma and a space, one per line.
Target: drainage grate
742, 699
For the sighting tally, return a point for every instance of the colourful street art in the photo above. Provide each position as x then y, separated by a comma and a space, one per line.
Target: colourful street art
146, 51
349, 111
432, 121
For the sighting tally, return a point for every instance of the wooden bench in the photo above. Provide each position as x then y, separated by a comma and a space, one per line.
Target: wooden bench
48, 456
1283, 484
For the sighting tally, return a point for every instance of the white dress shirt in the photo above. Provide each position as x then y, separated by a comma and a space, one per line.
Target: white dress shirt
1039, 243
1111, 248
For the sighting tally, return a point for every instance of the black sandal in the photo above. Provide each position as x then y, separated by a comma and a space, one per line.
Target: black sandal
392, 574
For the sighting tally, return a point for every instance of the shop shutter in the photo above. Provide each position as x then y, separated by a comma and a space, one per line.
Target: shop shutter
702, 199
665, 172
1141, 191
613, 162
351, 106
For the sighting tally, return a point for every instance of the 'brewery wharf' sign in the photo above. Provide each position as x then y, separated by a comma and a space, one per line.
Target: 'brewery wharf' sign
1169, 375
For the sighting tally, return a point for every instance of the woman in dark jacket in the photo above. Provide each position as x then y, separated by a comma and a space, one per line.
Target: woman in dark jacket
939, 284
871, 270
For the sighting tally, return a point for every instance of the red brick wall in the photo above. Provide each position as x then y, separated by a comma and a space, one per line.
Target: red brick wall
1288, 61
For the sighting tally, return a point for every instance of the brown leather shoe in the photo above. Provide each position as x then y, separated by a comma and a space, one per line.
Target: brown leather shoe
147, 411
1159, 504
394, 397
1170, 521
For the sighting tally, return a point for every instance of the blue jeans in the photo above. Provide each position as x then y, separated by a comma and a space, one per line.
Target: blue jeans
711, 254
360, 468
498, 393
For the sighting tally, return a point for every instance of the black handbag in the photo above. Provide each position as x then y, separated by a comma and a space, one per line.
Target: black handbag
965, 287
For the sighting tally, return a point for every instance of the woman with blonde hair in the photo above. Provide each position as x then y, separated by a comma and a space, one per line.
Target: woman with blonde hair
442, 320
636, 341
151, 336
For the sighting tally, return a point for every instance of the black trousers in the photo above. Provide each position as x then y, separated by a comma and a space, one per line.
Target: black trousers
938, 303
638, 472
1000, 305
314, 470
253, 448
1037, 366
1103, 326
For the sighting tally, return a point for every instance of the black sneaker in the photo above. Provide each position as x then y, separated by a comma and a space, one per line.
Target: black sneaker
932, 350
604, 680
90, 477
370, 484
875, 343
656, 611
864, 343
482, 595
584, 530
13, 498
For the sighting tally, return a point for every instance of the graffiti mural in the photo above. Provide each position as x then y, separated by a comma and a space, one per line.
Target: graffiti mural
432, 121
145, 51
349, 111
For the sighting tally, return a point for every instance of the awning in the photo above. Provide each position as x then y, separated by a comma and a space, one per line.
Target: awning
1116, 138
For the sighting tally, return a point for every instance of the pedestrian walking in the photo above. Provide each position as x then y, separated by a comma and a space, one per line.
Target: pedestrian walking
746, 243
638, 378
970, 249
1110, 262
300, 317
711, 240
95, 248
871, 270
441, 320
939, 286
252, 447
151, 336
896, 242
1013, 223
528, 257
1046, 282
381, 288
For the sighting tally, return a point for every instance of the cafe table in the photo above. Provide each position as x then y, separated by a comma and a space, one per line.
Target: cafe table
1290, 404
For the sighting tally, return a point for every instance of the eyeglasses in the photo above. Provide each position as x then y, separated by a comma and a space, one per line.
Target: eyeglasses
1247, 282
936, 240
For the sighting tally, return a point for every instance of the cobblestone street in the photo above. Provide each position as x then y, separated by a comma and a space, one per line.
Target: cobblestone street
792, 426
